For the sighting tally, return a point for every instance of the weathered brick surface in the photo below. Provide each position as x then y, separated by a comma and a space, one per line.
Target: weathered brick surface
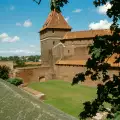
65, 72
61, 72
31, 74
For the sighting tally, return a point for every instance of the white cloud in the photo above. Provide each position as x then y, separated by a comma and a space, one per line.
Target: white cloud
77, 10
102, 24
32, 46
27, 23
18, 24
67, 18
3, 35
19, 52
12, 7
5, 38
103, 9
22, 51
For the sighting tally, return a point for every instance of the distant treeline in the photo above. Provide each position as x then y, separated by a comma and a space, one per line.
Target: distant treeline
20, 60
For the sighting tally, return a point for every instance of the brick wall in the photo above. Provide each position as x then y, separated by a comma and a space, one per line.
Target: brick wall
65, 72
32, 74
61, 72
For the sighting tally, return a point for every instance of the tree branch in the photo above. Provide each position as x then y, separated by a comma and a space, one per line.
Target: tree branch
38, 2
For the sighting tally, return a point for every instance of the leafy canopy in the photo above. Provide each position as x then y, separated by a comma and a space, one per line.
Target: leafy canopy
102, 49
4, 72
55, 4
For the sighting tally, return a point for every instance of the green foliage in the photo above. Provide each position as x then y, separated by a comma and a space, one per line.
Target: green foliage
4, 72
113, 12
54, 4
78, 77
20, 63
101, 50
15, 81
35, 58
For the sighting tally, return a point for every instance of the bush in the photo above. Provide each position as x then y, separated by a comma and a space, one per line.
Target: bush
20, 63
4, 72
15, 81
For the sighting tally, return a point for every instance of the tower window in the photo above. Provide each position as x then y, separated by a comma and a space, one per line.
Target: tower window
53, 31
53, 42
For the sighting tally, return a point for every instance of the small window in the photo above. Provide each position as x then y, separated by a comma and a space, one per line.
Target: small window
68, 51
43, 32
53, 42
53, 31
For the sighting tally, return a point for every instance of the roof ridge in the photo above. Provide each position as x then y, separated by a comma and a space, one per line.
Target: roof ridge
91, 30
52, 14
86, 34
47, 19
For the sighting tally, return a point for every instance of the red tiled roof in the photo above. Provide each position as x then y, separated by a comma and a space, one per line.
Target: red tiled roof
85, 34
55, 20
83, 62
71, 62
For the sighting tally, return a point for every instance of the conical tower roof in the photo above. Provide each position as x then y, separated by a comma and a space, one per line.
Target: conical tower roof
55, 20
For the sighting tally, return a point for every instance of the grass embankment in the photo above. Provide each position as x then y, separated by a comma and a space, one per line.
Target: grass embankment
64, 96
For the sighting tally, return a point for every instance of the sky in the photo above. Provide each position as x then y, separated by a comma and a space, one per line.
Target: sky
21, 20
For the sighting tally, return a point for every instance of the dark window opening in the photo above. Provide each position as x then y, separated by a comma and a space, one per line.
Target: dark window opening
68, 51
53, 31
53, 42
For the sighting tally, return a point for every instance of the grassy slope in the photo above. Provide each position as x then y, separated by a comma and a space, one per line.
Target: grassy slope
64, 96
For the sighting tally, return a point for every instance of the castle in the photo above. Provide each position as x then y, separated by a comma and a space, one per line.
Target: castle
59, 43
63, 53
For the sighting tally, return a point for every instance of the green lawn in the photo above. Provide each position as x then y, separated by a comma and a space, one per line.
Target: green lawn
64, 96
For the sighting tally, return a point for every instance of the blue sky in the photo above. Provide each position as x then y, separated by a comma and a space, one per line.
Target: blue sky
21, 20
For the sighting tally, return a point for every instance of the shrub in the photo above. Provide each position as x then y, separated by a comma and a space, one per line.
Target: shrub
15, 81
20, 63
4, 72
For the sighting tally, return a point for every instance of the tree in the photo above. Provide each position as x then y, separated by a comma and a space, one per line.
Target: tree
101, 50
4, 72
20, 63
55, 4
